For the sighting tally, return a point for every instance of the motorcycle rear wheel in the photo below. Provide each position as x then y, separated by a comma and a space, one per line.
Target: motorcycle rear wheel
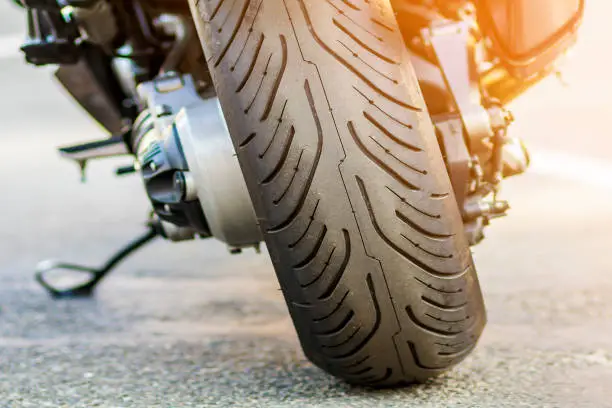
348, 184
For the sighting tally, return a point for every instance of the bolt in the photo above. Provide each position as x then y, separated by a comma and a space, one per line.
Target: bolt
170, 81
201, 85
163, 110
184, 186
499, 207
179, 184
500, 117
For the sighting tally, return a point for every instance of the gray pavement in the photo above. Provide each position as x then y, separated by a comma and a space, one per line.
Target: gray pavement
186, 325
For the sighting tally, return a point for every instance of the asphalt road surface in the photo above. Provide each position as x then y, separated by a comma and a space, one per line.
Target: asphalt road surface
186, 325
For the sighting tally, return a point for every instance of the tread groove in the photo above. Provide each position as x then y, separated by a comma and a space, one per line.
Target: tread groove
247, 140
285, 152
442, 306
279, 121
417, 360
343, 13
361, 43
458, 353
346, 64
277, 81
338, 328
383, 378
229, 13
420, 324
351, 5
356, 363
406, 220
338, 276
447, 321
356, 55
216, 9
343, 342
247, 75
402, 252
390, 135
381, 24
334, 310
371, 334
296, 169
403, 163
393, 118
316, 278
246, 40
420, 247
376, 160
404, 201
265, 73
362, 371
234, 32
303, 234
313, 253
315, 164
448, 292
459, 343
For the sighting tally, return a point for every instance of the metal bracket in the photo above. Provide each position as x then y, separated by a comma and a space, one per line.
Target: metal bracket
451, 45
52, 39
456, 154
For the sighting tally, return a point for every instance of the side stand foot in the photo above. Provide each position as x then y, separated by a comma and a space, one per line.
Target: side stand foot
95, 274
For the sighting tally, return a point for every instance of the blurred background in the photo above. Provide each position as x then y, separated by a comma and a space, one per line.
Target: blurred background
191, 325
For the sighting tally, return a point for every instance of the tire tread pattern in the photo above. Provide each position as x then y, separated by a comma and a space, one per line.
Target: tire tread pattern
348, 184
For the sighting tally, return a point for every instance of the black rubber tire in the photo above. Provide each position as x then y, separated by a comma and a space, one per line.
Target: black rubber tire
348, 183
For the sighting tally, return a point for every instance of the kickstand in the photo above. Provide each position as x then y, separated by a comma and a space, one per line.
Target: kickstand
96, 274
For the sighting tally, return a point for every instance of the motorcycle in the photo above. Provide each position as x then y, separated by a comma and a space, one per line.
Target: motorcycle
364, 141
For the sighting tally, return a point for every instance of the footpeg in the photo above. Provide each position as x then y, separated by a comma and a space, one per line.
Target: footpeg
98, 149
